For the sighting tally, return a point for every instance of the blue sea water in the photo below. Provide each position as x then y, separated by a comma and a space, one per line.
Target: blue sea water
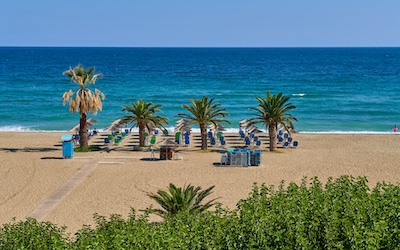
338, 90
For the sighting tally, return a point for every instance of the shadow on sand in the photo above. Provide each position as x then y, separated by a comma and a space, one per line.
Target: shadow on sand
29, 149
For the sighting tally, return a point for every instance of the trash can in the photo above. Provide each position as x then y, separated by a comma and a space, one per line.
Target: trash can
67, 146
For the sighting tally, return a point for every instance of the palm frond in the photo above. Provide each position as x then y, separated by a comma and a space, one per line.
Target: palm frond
187, 199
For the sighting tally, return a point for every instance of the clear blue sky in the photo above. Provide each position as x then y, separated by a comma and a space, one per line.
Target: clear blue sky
206, 23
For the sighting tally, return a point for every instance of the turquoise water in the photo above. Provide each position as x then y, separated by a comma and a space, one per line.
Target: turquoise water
340, 90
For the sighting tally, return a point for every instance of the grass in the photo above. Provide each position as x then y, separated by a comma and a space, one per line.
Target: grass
88, 149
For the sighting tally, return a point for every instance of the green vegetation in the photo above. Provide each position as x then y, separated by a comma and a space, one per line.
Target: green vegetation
187, 199
143, 116
91, 148
272, 111
83, 100
343, 214
204, 112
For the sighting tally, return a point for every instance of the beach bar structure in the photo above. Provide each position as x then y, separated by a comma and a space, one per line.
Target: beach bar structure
166, 153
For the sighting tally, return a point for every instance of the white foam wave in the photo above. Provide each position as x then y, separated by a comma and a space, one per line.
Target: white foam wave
16, 128
299, 94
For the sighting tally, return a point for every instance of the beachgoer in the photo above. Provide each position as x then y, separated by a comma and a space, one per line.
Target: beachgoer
395, 129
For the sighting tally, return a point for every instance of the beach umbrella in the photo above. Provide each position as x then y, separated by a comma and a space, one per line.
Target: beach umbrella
168, 142
218, 127
245, 122
90, 122
75, 128
182, 125
255, 130
182, 121
115, 125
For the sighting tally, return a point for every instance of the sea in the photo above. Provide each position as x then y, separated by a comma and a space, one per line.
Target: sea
335, 90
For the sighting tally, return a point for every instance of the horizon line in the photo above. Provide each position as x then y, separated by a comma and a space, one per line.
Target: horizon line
197, 47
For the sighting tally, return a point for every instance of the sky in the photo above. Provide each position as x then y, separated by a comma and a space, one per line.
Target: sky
206, 23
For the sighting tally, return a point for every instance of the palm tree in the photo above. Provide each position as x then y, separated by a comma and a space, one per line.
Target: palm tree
186, 199
83, 99
143, 116
203, 112
272, 111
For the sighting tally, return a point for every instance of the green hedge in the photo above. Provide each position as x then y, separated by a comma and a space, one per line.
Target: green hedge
343, 214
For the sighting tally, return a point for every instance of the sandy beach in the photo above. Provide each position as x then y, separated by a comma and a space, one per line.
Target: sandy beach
32, 168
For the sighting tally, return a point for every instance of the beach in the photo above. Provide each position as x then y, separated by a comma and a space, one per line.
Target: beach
32, 169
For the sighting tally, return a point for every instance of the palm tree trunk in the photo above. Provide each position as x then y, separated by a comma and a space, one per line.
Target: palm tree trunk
272, 136
83, 131
203, 131
142, 128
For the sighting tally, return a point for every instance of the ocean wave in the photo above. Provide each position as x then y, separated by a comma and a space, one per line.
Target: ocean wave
16, 128
299, 94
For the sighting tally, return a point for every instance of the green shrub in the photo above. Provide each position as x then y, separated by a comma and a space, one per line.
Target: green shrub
343, 214
31, 234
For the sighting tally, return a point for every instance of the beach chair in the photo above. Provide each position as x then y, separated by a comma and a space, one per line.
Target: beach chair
165, 132
212, 142
295, 144
178, 137
286, 144
107, 141
290, 139
116, 141
280, 140
153, 140
258, 143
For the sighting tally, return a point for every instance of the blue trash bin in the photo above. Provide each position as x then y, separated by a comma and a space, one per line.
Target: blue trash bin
67, 146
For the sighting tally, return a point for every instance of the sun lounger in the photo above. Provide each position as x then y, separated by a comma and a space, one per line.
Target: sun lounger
286, 144
295, 144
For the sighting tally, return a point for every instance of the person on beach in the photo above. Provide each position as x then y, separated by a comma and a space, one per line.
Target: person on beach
395, 129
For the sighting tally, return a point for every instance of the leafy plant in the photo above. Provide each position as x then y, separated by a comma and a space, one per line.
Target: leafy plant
31, 234
186, 199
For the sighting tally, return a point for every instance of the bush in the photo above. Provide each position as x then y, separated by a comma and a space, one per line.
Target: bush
31, 234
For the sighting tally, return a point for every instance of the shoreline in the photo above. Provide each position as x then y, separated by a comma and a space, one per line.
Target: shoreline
33, 168
229, 131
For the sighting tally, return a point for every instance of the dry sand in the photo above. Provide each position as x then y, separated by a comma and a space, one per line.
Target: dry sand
31, 168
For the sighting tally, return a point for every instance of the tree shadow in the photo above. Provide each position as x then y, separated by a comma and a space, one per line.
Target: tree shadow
28, 149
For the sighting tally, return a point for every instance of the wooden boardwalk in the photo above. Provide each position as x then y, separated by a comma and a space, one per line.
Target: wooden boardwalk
48, 204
